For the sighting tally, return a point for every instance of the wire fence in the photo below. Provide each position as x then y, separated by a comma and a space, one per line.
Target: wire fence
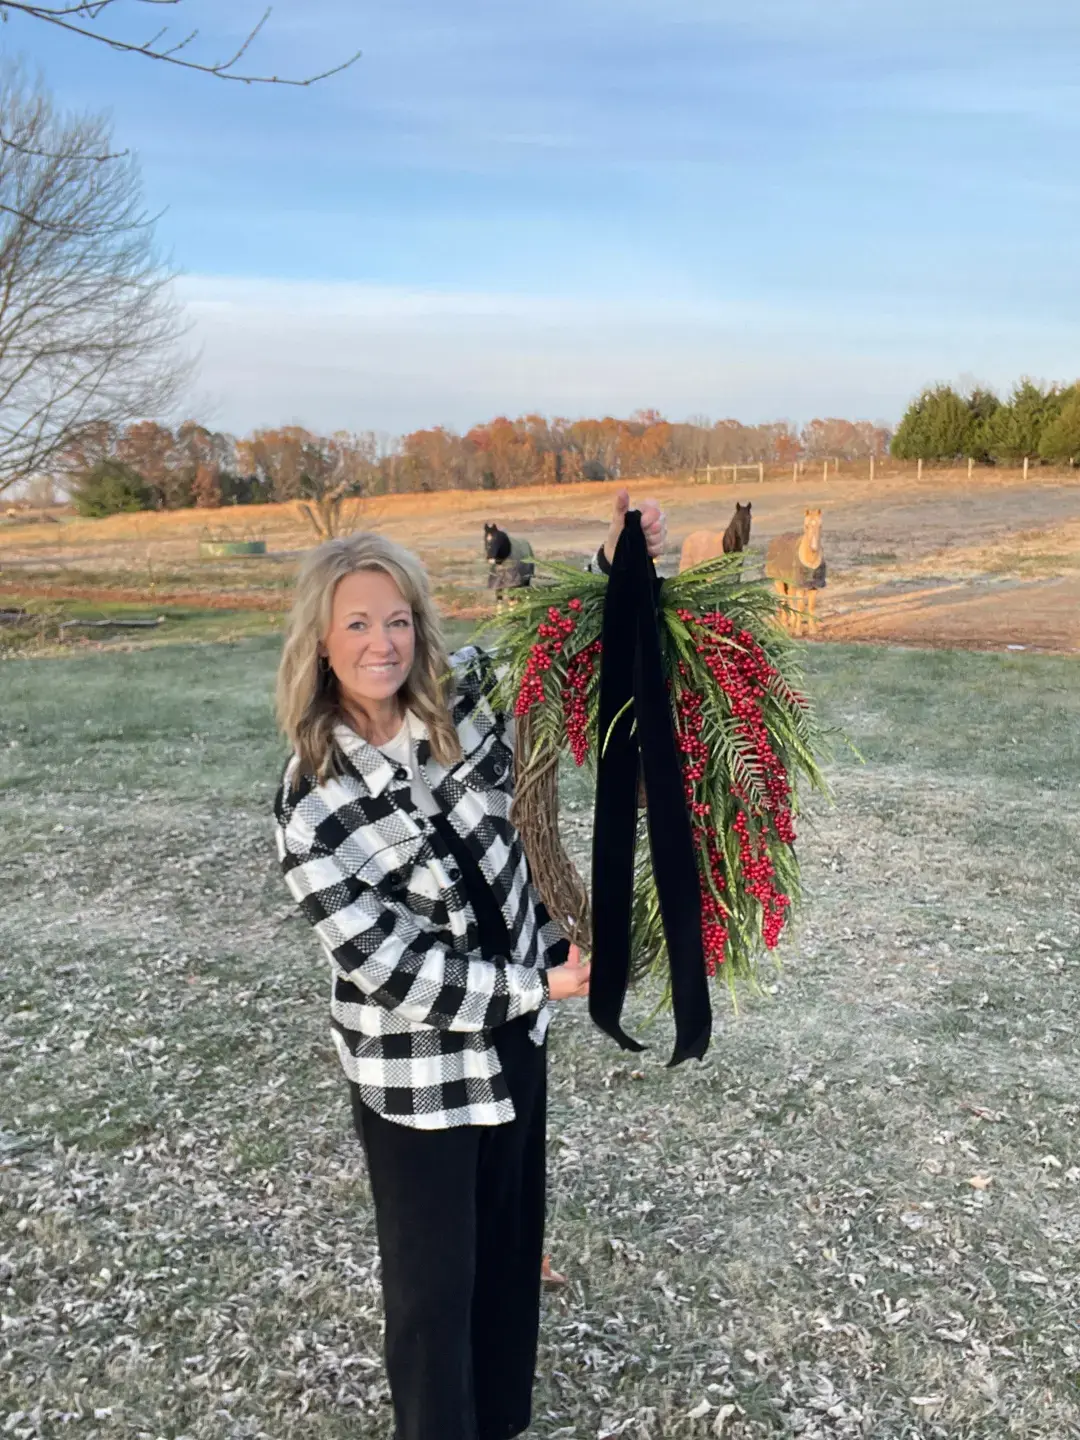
868, 467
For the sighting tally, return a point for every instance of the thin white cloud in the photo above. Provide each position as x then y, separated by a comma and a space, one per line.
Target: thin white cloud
394, 359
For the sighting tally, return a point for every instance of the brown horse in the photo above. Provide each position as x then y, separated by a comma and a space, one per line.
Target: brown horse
797, 565
702, 545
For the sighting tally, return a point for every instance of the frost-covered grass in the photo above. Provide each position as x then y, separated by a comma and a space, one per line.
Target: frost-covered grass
859, 1217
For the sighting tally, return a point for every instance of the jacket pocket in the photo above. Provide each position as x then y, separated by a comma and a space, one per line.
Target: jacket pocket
490, 766
392, 871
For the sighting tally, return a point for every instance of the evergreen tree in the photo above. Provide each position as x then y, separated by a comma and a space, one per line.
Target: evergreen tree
1016, 429
937, 426
983, 406
110, 488
1061, 438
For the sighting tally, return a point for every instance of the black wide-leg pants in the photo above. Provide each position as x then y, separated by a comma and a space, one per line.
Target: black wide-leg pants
460, 1221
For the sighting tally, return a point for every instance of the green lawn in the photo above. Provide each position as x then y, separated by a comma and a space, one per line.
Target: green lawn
860, 1216
49, 633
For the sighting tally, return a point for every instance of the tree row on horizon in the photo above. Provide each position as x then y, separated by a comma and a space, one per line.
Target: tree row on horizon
149, 465
152, 466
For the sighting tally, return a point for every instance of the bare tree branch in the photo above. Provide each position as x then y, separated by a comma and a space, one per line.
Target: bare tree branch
7, 143
88, 327
76, 17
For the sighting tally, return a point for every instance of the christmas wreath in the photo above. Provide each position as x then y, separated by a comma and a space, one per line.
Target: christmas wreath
745, 733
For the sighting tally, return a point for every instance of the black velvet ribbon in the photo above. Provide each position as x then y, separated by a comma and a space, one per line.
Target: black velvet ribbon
637, 736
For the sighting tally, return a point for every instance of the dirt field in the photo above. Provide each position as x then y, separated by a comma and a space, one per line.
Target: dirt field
981, 565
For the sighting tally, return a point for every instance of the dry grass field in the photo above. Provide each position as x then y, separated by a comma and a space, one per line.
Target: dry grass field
981, 564
859, 1217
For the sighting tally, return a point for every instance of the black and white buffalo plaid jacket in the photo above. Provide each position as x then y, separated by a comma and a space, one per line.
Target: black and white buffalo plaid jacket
413, 1000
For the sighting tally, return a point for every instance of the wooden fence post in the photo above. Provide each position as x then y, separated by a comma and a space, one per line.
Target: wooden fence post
920, 470
871, 469
1025, 467
761, 472
971, 465
794, 472
825, 470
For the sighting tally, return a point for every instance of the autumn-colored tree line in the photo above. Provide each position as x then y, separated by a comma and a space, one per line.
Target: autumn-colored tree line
534, 450
153, 466
150, 466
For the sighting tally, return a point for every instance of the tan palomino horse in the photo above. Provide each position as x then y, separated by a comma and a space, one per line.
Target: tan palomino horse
797, 565
702, 545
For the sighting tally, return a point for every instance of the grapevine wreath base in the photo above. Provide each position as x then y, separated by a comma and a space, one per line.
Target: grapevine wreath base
743, 730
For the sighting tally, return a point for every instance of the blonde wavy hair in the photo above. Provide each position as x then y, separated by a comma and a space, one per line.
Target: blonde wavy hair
308, 703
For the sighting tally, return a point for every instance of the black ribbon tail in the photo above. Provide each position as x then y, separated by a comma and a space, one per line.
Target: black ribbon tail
635, 724
615, 822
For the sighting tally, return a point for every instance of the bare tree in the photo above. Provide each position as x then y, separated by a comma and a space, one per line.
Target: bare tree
88, 328
80, 17
336, 483
329, 477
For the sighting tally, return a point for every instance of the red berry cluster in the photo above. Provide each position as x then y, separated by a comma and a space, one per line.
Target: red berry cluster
759, 875
578, 674
714, 932
695, 758
551, 634
743, 673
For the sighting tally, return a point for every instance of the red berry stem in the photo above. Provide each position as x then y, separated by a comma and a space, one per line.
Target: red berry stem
741, 671
552, 636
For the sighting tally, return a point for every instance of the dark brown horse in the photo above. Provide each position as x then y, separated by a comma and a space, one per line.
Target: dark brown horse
511, 563
704, 545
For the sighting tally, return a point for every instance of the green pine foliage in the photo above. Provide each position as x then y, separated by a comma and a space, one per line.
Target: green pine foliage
1015, 430
936, 425
1060, 440
110, 488
1035, 422
945, 425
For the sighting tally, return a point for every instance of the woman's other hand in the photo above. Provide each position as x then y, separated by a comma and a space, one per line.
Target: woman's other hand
566, 981
653, 523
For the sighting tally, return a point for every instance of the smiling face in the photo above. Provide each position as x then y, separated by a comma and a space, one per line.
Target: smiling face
371, 641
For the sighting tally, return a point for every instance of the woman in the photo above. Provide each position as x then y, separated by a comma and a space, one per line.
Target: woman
395, 838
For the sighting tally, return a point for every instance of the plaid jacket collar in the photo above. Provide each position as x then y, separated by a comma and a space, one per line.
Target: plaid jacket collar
376, 772
367, 760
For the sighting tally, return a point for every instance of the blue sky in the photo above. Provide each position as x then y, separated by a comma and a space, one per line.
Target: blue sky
783, 209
